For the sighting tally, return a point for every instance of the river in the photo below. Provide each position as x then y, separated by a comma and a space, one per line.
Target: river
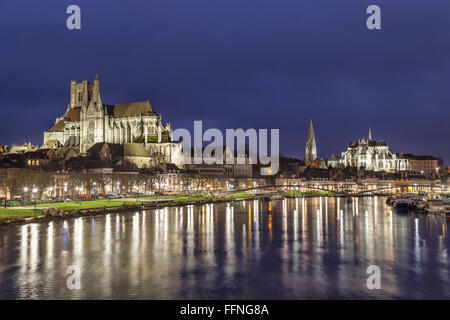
305, 248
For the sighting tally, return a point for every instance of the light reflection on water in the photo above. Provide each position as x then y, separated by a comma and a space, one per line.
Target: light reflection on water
287, 249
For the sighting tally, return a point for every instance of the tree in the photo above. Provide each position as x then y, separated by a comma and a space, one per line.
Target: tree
124, 181
102, 180
148, 180
187, 178
41, 180
86, 180
13, 179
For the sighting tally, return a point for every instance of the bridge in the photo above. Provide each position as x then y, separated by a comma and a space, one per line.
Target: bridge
345, 191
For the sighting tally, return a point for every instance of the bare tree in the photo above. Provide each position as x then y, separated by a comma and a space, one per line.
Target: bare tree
102, 180
41, 180
147, 180
86, 180
13, 179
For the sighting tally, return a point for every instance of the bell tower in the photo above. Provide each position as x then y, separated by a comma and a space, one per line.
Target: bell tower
91, 115
310, 150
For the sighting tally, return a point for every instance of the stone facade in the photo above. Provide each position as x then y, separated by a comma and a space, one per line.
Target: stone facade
423, 164
88, 120
370, 155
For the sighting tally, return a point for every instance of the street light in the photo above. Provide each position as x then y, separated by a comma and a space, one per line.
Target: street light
137, 192
24, 193
34, 190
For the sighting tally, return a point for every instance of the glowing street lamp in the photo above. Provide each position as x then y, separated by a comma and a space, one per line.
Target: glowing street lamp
137, 192
24, 193
34, 190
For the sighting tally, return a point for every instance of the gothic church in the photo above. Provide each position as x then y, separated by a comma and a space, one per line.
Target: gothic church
88, 121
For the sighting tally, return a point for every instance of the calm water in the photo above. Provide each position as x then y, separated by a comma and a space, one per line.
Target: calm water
288, 249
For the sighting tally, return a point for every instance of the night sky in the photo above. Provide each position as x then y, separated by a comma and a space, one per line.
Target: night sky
238, 64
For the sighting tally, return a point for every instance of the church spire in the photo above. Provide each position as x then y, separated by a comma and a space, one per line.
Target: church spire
310, 130
310, 150
370, 133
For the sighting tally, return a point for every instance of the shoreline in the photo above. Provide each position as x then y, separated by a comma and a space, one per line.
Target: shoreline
144, 205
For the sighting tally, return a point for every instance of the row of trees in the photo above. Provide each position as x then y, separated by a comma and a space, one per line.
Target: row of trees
21, 181
16, 180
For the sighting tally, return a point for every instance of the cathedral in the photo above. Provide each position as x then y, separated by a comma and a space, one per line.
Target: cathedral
370, 155
88, 121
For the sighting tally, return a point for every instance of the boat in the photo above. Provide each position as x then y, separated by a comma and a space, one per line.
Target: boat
273, 197
403, 205
418, 201
435, 206
447, 212
420, 205
277, 197
390, 201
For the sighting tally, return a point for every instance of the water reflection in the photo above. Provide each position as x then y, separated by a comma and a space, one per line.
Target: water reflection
293, 248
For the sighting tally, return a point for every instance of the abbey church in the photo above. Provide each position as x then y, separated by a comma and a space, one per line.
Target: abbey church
135, 126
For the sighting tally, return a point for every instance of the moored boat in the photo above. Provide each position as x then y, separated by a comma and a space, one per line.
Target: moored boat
435, 206
273, 197
402, 205
390, 201
447, 212
420, 205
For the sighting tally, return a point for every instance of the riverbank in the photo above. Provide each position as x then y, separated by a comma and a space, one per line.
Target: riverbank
49, 211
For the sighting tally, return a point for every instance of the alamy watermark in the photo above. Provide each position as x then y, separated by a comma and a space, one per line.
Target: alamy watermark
218, 152
74, 279
73, 21
374, 280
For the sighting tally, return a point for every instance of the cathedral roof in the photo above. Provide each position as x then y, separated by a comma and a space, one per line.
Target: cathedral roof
73, 114
135, 150
117, 150
377, 143
131, 109
58, 126
369, 143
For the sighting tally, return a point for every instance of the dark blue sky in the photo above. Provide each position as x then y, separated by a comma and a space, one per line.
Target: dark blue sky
238, 63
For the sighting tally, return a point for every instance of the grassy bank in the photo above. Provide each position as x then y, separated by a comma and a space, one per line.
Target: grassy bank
307, 194
241, 195
29, 211
7, 213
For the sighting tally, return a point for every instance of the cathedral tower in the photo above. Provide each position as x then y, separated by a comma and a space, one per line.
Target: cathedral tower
311, 150
91, 115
